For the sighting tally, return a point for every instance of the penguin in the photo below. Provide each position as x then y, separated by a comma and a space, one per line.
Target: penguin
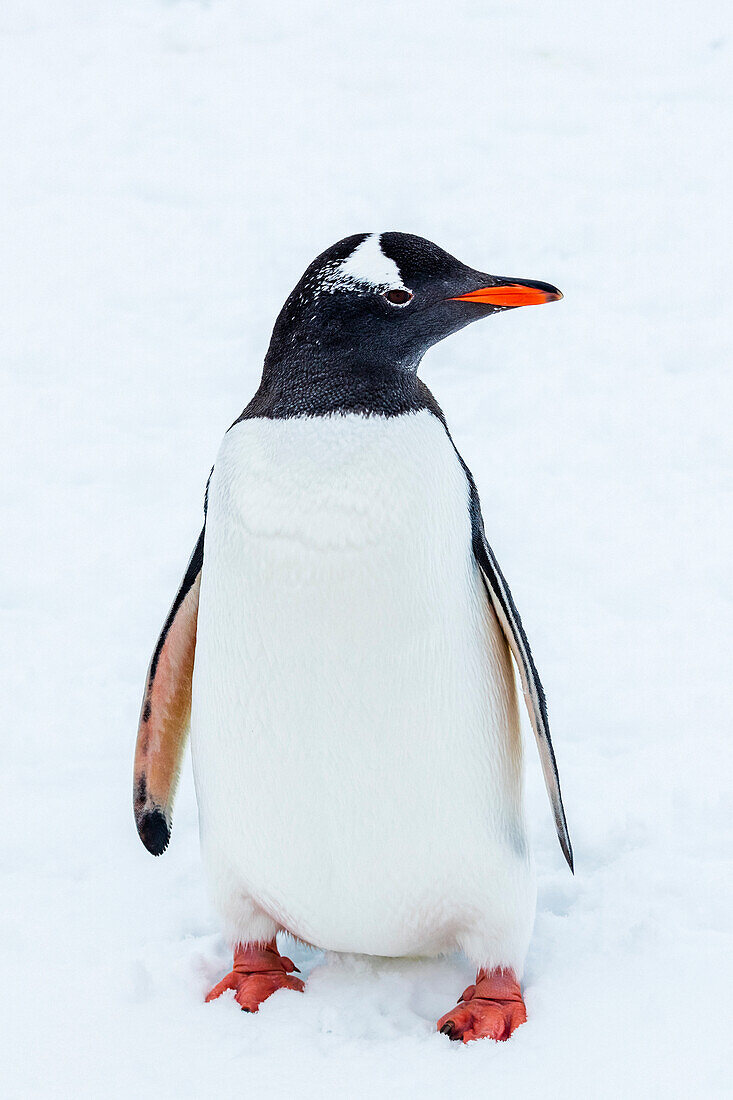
342, 646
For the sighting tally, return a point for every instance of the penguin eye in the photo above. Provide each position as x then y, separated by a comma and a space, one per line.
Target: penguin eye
398, 297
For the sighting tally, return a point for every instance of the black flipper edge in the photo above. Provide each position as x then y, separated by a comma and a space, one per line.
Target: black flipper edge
534, 695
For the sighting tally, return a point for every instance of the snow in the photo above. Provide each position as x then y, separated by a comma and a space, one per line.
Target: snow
169, 170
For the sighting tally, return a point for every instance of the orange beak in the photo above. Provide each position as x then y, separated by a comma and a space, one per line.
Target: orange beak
511, 294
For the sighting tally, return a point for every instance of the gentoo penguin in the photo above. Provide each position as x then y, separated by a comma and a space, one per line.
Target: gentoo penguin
342, 643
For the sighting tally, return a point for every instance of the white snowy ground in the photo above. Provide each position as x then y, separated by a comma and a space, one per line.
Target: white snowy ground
169, 169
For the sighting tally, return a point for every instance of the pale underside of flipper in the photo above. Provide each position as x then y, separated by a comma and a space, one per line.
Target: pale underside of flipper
534, 696
166, 711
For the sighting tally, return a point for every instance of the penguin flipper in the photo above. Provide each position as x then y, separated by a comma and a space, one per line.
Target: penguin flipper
166, 710
534, 695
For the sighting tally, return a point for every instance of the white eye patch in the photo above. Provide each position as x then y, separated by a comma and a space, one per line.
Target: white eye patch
367, 266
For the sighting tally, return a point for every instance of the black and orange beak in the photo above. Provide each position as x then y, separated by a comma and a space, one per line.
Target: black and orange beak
510, 293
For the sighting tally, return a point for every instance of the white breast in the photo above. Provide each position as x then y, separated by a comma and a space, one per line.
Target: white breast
354, 727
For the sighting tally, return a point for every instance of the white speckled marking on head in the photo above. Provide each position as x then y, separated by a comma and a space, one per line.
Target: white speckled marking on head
368, 266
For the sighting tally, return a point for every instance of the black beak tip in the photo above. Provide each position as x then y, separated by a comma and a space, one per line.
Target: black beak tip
551, 292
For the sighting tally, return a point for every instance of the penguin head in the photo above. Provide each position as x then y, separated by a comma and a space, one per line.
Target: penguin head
381, 300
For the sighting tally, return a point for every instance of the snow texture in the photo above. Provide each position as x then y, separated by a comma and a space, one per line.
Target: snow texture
169, 170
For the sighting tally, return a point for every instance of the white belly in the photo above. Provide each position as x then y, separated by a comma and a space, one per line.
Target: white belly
354, 727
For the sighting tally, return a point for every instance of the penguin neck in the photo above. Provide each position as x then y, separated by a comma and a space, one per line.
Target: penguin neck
317, 385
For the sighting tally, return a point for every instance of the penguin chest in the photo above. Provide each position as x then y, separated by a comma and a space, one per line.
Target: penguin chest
353, 696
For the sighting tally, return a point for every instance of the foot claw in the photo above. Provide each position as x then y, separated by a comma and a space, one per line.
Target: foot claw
258, 972
493, 1009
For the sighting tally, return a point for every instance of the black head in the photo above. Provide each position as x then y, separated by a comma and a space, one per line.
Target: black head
354, 330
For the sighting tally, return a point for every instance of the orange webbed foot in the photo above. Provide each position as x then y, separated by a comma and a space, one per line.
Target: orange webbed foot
493, 1008
259, 971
